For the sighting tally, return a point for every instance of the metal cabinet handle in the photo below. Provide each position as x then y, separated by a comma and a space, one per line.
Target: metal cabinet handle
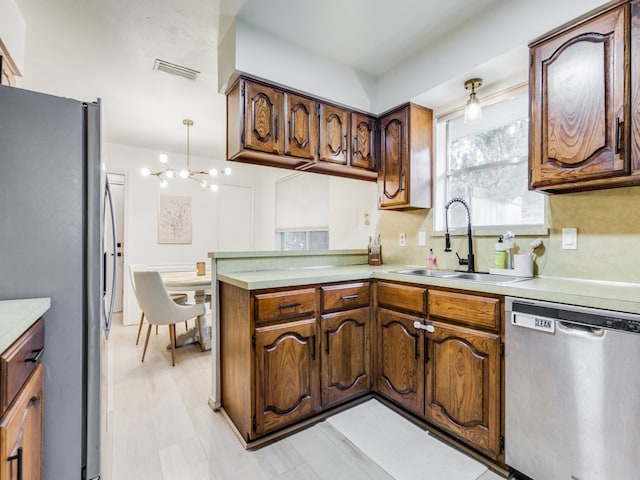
417, 346
35, 358
18, 458
276, 120
313, 347
618, 128
426, 349
326, 344
288, 305
349, 297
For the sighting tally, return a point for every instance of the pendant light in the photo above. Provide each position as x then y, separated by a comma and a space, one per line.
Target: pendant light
472, 112
169, 173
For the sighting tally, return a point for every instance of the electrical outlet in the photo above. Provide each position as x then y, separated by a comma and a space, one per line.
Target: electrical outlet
422, 239
569, 238
403, 239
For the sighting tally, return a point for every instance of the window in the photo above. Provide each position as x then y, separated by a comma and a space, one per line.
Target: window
486, 164
303, 240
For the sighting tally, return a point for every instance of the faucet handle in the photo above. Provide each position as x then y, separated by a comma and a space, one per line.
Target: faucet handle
462, 261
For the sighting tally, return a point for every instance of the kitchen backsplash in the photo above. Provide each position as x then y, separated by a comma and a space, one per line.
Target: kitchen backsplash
608, 223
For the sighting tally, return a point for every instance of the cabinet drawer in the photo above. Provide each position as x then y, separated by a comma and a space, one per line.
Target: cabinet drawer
287, 304
344, 297
402, 297
18, 361
468, 309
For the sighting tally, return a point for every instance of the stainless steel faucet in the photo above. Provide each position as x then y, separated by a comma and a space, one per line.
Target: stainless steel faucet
470, 260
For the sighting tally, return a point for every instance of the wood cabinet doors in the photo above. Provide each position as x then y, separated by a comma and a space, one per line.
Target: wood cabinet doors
346, 359
301, 139
579, 84
463, 385
262, 118
363, 153
334, 134
400, 371
394, 152
21, 431
287, 374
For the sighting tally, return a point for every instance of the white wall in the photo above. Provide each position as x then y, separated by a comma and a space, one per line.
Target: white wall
141, 209
256, 53
12, 31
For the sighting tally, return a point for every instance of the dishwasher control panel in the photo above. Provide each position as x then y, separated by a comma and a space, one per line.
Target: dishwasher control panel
542, 316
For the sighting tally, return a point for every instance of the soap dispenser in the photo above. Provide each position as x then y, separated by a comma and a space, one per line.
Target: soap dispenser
501, 254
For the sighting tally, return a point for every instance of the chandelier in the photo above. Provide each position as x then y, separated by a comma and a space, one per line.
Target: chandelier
168, 173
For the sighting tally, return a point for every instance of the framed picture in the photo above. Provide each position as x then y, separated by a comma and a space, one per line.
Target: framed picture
174, 219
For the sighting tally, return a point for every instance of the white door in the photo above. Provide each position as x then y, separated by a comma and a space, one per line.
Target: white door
235, 219
116, 182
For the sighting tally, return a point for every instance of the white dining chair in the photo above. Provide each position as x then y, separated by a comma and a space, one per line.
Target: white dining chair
159, 309
179, 298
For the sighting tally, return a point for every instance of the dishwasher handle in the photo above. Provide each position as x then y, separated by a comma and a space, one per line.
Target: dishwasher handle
571, 328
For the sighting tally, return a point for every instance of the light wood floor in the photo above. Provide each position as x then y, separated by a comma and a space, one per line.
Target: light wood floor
160, 426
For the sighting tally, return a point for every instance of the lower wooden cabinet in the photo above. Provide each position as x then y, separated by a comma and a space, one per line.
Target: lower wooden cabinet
346, 359
463, 385
21, 432
286, 375
400, 348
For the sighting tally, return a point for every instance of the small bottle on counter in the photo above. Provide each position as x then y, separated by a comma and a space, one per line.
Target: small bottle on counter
432, 260
501, 254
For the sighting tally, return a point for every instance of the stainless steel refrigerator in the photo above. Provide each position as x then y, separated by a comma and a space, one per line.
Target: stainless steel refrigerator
52, 207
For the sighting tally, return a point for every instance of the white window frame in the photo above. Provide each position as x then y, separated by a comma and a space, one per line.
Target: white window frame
440, 175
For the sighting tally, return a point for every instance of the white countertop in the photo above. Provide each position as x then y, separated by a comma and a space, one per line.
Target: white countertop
16, 316
623, 297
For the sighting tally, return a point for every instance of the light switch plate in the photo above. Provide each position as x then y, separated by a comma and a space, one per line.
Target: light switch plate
569, 238
422, 239
403, 239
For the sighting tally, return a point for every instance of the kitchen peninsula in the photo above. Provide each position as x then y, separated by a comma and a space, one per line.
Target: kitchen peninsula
297, 334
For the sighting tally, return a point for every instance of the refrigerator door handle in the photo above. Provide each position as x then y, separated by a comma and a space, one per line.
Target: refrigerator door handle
109, 314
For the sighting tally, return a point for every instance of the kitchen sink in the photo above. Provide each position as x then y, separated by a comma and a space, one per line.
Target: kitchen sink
425, 272
472, 276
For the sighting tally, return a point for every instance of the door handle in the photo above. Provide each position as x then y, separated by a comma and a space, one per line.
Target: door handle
18, 458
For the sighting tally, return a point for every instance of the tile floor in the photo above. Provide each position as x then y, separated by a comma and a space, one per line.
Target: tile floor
160, 427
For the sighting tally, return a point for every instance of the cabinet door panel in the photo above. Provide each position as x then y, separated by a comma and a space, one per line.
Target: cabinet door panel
301, 126
21, 431
334, 134
463, 385
393, 161
262, 118
400, 373
363, 141
579, 118
346, 362
287, 380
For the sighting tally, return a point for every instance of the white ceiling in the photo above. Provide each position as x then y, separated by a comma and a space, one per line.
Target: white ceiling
88, 49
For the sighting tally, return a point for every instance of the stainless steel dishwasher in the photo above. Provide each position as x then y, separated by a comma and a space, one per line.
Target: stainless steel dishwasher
572, 392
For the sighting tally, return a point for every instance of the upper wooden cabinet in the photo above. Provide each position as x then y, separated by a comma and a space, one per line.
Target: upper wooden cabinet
406, 145
334, 135
269, 125
300, 126
582, 115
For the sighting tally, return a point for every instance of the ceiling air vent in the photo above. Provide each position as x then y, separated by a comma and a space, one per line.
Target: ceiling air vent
173, 69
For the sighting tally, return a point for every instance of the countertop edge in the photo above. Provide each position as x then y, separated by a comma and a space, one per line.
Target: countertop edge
25, 313
560, 290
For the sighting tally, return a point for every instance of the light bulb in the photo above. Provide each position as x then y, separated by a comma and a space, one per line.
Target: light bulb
169, 173
184, 173
203, 183
163, 183
145, 172
213, 172
227, 171
163, 157
213, 188
472, 112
